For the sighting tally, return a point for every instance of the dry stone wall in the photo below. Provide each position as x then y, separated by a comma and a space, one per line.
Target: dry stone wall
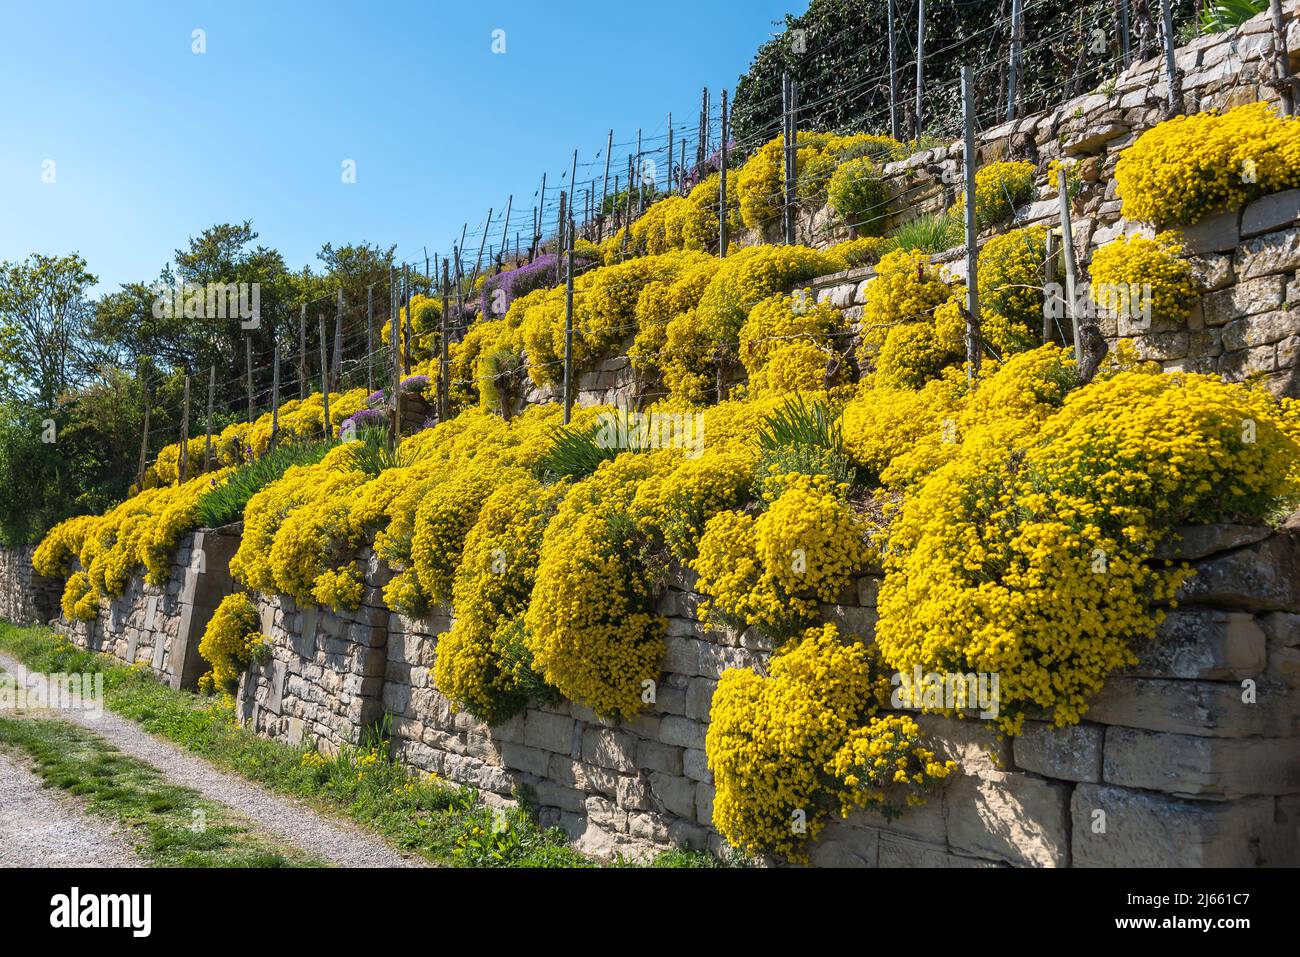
1247, 260
25, 596
159, 626
1190, 758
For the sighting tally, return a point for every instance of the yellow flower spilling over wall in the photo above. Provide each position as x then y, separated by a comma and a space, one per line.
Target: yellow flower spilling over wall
480, 665
1029, 553
857, 192
590, 625
786, 750
783, 319
1189, 167
230, 642
772, 571
999, 188
1011, 276
817, 155
78, 601
1143, 279
901, 327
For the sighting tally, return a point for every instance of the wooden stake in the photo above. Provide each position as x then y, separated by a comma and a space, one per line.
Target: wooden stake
394, 333
505, 228
568, 339
1013, 65
336, 366
1124, 33
722, 185
370, 337
324, 378
1049, 281
669, 170
1175, 98
893, 77
302, 351
444, 387
275, 394
920, 65
184, 471
1282, 60
1067, 241
406, 325
604, 191
212, 394
248, 366
144, 438
974, 347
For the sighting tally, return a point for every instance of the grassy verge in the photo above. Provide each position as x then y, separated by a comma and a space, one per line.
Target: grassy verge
444, 822
176, 826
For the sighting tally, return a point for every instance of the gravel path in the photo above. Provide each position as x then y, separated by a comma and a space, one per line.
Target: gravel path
336, 841
41, 828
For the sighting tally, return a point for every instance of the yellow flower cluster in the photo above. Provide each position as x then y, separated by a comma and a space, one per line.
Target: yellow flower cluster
1191, 166
817, 156
483, 664
680, 222
590, 625
783, 320
78, 601
773, 570
425, 329
1011, 276
859, 195
229, 642
912, 324
883, 765
1143, 278
999, 188
1028, 552
140, 533
788, 750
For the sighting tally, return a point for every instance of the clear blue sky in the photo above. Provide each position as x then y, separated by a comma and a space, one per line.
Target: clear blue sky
152, 142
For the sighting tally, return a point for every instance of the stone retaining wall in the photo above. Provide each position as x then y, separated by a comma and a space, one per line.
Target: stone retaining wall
159, 626
26, 597
1171, 768
1246, 259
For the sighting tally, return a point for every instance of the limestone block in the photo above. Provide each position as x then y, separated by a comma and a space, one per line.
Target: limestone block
1203, 643
682, 732
1117, 827
1011, 817
1193, 766
1262, 577
1071, 753
607, 748
1203, 708
549, 732
1272, 212
673, 794
1269, 254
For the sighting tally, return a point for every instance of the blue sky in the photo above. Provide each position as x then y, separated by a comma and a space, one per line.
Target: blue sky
152, 142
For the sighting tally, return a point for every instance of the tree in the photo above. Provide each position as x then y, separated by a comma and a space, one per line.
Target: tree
43, 315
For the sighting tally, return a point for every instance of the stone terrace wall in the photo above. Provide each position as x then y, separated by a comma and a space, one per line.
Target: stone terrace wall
1184, 772
1246, 259
26, 597
159, 626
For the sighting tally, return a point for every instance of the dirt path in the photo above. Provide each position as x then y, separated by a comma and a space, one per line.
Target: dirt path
42, 828
336, 841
